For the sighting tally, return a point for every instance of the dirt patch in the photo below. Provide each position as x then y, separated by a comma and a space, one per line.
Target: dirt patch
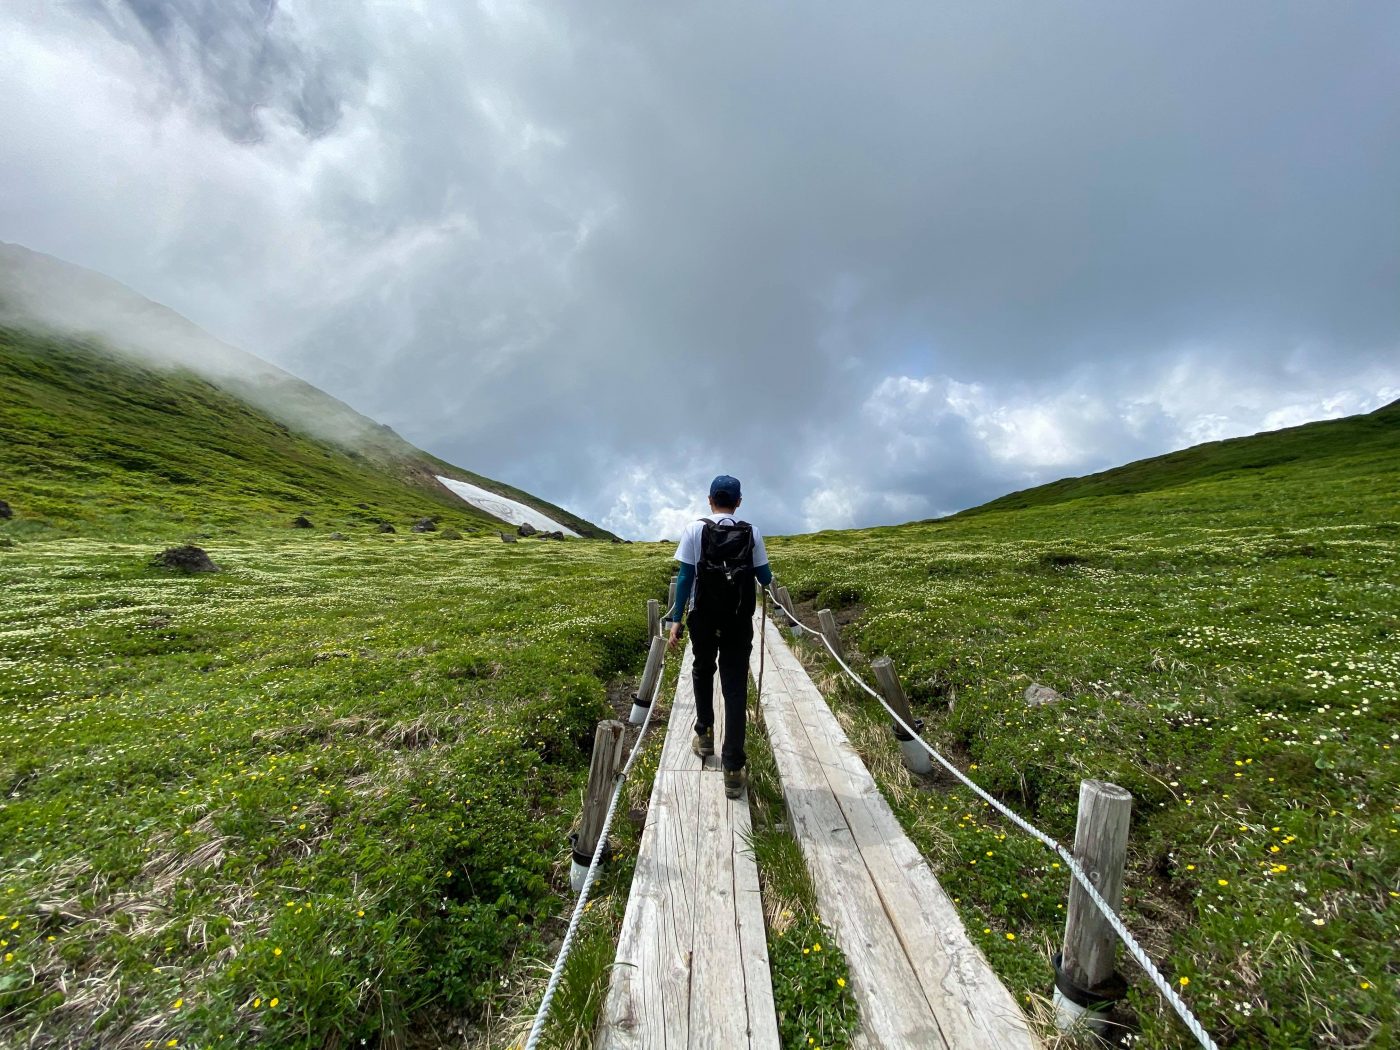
807, 612
620, 694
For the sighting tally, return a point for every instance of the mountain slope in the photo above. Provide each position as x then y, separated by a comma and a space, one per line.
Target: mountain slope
116, 412
1375, 434
1221, 632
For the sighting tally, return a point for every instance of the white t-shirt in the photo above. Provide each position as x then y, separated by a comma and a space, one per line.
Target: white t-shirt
689, 549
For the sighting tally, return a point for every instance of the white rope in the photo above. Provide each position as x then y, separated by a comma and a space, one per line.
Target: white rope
1129, 941
542, 1014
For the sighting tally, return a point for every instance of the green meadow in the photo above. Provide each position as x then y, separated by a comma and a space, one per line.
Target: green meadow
320, 798
1227, 647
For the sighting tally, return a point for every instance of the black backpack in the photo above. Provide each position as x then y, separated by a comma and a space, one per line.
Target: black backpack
724, 576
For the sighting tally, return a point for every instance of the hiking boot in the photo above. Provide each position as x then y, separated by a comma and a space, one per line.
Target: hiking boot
704, 744
733, 783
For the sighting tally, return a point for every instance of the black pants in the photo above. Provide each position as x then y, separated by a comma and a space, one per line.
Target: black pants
727, 640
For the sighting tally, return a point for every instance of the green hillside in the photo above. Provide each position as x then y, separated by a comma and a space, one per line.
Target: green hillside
1223, 628
98, 443
1311, 443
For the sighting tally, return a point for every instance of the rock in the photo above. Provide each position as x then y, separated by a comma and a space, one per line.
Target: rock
526, 529
337, 536
301, 521
185, 559
425, 525
6, 512
615, 540
554, 535
386, 527
362, 506
508, 538
450, 534
1036, 695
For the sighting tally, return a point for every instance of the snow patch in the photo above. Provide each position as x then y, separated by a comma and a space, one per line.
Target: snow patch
503, 507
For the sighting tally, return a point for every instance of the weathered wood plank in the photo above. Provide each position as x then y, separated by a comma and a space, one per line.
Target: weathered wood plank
680, 722
961, 998
718, 1012
753, 937
894, 1011
972, 1006
691, 965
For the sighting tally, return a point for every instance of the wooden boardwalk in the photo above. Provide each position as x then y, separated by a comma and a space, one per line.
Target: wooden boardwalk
692, 958
918, 980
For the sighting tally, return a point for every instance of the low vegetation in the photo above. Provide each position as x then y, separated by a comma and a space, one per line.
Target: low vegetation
1227, 648
315, 798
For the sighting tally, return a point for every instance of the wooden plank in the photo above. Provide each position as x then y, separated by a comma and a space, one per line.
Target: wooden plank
753, 936
972, 1006
649, 1001
691, 965
680, 722
965, 1001
718, 1014
894, 1011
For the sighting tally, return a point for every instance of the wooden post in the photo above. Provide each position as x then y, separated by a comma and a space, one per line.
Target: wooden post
829, 631
1101, 847
785, 600
642, 700
653, 617
672, 613
608, 739
916, 759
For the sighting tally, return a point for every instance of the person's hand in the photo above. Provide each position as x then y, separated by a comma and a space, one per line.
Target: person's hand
675, 638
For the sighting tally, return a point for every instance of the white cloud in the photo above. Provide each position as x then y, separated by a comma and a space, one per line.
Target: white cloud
865, 259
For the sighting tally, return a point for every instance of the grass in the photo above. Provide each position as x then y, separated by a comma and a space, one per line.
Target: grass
1227, 648
583, 985
319, 797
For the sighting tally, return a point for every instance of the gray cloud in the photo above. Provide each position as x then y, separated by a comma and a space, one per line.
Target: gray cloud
238, 61
879, 264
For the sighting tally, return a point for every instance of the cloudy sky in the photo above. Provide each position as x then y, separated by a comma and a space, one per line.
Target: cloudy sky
880, 261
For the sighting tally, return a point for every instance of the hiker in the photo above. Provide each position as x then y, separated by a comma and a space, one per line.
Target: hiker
721, 556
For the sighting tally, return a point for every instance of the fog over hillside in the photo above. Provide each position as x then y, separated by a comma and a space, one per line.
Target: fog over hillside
48, 294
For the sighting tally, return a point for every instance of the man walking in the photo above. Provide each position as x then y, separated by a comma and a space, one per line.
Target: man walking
720, 558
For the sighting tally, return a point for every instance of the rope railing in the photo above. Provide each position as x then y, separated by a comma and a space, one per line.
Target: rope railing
1139, 954
542, 1014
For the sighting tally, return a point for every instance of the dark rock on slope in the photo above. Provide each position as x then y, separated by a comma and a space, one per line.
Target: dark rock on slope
188, 558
